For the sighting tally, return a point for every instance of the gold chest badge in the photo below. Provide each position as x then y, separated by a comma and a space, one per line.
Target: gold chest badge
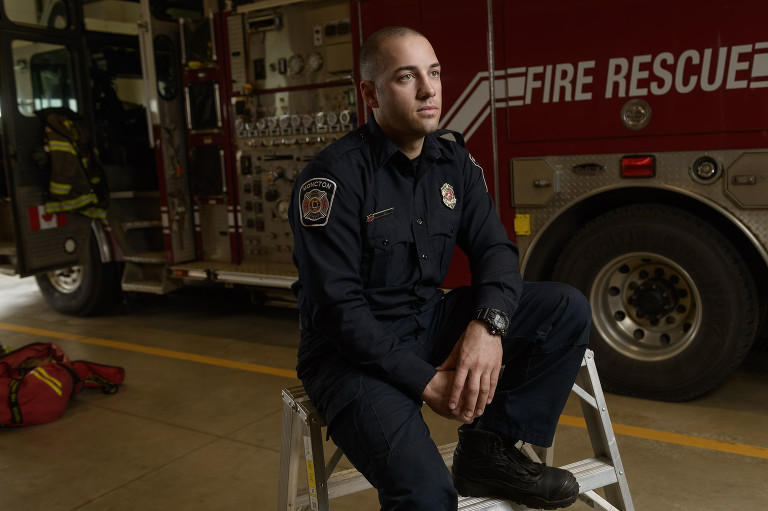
449, 196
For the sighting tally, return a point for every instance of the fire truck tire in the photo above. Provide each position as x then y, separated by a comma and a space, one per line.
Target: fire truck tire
89, 289
674, 309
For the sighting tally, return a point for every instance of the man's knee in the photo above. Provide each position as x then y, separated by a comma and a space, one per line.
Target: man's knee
577, 310
572, 313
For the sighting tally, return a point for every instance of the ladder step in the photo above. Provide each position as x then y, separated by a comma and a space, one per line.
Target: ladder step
344, 482
351, 481
147, 258
132, 194
593, 473
144, 286
142, 224
486, 504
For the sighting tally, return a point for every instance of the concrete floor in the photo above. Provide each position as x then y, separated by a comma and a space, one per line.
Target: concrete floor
204, 434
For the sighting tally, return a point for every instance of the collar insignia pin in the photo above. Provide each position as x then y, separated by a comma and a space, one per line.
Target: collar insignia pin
449, 197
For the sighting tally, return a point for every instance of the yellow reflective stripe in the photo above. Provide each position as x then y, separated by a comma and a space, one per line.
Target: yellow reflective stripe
67, 205
59, 145
59, 188
95, 213
45, 373
47, 379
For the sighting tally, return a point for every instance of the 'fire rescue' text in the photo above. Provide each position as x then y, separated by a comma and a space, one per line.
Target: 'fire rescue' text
735, 67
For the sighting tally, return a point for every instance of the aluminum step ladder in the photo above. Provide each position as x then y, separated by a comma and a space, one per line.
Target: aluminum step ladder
302, 454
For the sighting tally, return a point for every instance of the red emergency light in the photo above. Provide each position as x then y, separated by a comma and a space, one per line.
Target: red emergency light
638, 166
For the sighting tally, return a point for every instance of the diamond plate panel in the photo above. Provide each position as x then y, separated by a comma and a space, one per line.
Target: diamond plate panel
672, 173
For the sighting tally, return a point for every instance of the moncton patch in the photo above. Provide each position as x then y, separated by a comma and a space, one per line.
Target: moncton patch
316, 200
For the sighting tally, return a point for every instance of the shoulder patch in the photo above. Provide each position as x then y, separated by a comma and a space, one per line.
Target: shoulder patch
315, 201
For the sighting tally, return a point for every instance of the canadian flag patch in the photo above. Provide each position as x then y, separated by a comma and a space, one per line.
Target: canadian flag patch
39, 219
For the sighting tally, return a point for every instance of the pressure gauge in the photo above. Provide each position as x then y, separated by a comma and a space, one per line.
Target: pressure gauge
295, 64
282, 208
331, 118
291, 173
295, 121
285, 122
314, 61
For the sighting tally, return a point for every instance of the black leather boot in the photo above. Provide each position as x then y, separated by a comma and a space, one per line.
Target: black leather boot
484, 465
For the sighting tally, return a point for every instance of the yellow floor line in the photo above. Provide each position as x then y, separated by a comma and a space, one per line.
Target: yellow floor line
567, 420
676, 438
40, 332
179, 355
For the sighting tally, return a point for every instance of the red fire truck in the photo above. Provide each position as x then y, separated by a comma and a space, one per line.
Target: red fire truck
626, 148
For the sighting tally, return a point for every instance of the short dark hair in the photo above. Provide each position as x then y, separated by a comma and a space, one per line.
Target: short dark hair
368, 58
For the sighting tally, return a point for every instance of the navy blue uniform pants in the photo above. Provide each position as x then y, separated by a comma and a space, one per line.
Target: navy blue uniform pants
383, 433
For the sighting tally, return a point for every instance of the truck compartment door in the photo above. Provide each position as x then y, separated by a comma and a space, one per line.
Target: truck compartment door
39, 68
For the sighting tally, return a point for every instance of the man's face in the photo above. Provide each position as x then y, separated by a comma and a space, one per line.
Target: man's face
407, 95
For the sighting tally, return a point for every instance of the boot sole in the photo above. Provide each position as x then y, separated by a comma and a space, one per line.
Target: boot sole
485, 488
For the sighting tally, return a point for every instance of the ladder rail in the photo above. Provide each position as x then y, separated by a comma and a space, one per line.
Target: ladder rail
595, 501
601, 433
290, 453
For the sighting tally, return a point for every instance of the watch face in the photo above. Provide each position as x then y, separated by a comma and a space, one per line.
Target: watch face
501, 321
498, 321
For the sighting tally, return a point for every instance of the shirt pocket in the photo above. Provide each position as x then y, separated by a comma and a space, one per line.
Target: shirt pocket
443, 227
387, 243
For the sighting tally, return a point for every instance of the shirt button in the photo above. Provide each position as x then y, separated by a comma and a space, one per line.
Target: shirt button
419, 221
385, 242
424, 256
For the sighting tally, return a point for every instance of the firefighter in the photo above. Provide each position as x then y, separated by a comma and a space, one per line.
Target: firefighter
375, 217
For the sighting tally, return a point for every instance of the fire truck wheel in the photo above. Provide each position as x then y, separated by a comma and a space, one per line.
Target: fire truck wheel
84, 290
674, 309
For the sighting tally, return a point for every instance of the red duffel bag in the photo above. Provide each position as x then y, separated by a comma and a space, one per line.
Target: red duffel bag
38, 380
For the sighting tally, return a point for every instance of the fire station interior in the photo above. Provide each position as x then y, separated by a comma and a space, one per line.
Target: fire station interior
198, 422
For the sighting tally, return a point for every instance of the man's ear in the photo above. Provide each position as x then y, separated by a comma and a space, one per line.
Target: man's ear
368, 92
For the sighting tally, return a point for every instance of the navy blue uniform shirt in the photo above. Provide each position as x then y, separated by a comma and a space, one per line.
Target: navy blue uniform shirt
373, 237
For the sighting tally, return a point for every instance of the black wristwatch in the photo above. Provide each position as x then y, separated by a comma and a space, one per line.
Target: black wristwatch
497, 320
